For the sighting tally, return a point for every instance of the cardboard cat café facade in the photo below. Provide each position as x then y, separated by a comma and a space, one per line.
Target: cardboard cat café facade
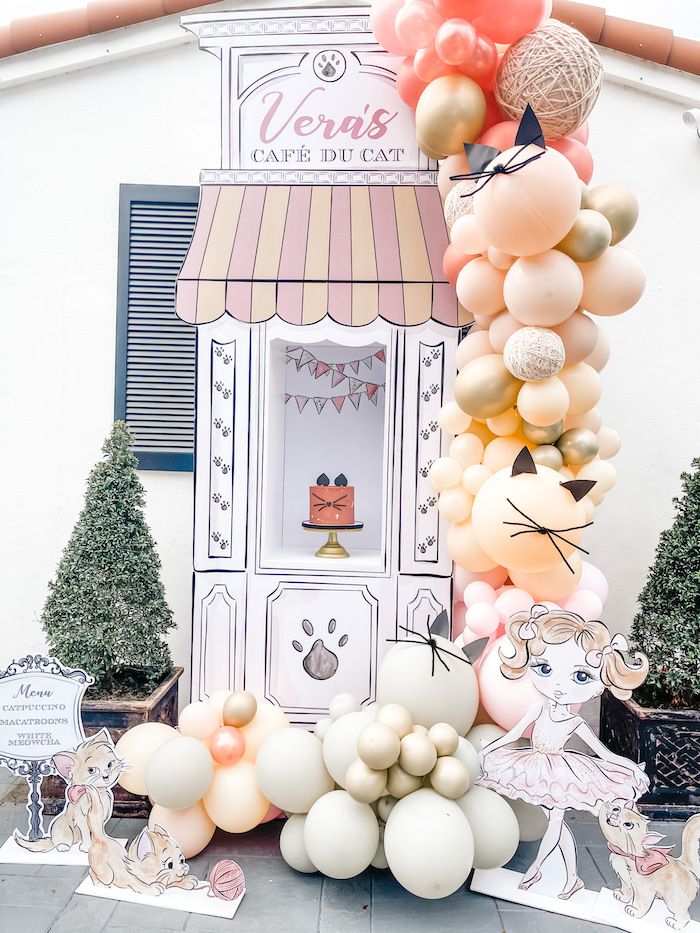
326, 338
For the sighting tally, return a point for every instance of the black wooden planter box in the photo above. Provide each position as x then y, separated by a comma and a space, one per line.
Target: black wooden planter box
118, 716
667, 741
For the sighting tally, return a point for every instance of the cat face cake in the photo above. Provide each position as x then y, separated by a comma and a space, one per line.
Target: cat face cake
331, 504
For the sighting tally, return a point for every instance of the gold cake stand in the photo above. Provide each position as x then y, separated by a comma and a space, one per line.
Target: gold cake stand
332, 547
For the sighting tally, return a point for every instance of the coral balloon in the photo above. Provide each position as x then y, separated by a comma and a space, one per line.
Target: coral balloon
505, 701
613, 283
451, 112
455, 41
484, 387
382, 19
234, 801
227, 745
452, 264
543, 403
199, 720
417, 23
428, 66
577, 153
530, 210
408, 84
500, 135
482, 64
192, 827
480, 286
466, 8
543, 290
506, 22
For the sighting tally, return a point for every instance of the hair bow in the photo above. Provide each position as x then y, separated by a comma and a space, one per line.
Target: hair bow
528, 629
617, 643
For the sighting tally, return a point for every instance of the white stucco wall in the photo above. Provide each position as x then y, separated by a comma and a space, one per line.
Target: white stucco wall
69, 141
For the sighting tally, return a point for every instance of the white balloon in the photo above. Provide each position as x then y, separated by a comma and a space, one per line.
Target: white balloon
467, 754
179, 773
484, 734
340, 743
494, 827
342, 704
379, 860
341, 835
431, 691
290, 772
428, 844
292, 844
531, 820
322, 727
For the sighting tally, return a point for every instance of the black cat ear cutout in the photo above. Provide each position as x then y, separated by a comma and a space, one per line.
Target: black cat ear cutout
341, 480
323, 480
529, 132
441, 625
475, 649
579, 487
524, 463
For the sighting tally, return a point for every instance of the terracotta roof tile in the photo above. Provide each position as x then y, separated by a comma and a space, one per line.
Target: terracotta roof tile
650, 42
587, 19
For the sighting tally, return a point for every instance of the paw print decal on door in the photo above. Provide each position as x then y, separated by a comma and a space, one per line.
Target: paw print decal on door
319, 662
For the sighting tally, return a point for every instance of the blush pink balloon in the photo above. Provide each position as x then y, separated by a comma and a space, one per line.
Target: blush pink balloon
608, 443
455, 41
475, 344
595, 581
382, 18
509, 20
458, 619
577, 153
482, 619
479, 592
501, 328
467, 9
417, 23
505, 701
482, 64
513, 600
581, 133
579, 334
408, 84
273, 813
495, 578
428, 65
584, 603
453, 262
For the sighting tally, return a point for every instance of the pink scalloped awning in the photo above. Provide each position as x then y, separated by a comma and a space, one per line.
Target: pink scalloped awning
302, 252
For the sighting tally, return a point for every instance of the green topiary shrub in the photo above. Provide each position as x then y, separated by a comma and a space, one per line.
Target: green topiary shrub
106, 610
667, 626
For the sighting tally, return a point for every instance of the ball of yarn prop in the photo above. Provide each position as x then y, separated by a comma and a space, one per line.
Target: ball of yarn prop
557, 71
226, 880
456, 204
533, 354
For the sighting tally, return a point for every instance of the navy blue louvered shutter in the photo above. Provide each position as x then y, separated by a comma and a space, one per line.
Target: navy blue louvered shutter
155, 358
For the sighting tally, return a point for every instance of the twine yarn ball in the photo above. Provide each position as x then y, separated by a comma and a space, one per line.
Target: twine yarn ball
533, 354
557, 71
456, 205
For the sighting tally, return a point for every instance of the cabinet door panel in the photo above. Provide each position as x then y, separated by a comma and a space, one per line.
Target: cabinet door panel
218, 633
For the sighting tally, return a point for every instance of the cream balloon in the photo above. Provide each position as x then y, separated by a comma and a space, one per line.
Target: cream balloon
418, 755
429, 844
602, 472
543, 403
385, 805
485, 388
397, 718
137, 746
234, 801
494, 827
474, 345
379, 861
322, 727
501, 453
199, 720
505, 424
445, 472
455, 504
465, 550
340, 744
378, 746
290, 771
554, 584
480, 287
192, 826
292, 846
532, 823
481, 736
619, 206
474, 478
452, 419
342, 704
543, 290
179, 773
400, 783
341, 835
217, 700
583, 385
467, 754
467, 449
364, 784
613, 283
466, 236
268, 719
609, 443
449, 777
579, 334
449, 113
444, 737
589, 237
502, 326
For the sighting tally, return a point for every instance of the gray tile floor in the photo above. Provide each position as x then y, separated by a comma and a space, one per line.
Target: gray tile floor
41, 899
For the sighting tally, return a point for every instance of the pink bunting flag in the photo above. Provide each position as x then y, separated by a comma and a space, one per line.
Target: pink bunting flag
340, 367
305, 359
301, 401
355, 365
355, 399
355, 384
373, 398
368, 362
339, 401
380, 355
337, 378
287, 397
371, 389
321, 368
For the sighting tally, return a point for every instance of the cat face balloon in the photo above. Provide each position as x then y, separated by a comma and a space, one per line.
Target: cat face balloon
526, 519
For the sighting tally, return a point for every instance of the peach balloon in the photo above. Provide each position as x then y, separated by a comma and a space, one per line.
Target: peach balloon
613, 283
602, 472
480, 287
543, 403
583, 385
479, 429
588, 419
268, 719
555, 583
579, 334
464, 549
192, 826
466, 236
227, 745
504, 701
445, 472
234, 801
199, 720
475, 476
609, 443
505, 424
217, 700
495, 578
452, 419
601, 353
503, 326
476, 343
467, 449
452, 165
543, 290
498, 259
530, 210
501, 452
455, 504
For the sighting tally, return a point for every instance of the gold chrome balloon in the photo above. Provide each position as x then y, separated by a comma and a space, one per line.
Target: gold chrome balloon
239, 709
589, 237
584, 195
450, 112
577, 446
547, 455
619, 204
484, 388
542, 435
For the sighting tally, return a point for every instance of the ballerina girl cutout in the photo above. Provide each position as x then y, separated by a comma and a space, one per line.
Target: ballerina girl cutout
570, 662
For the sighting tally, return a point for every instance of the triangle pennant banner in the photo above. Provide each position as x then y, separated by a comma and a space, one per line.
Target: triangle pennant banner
372, 390
355, 399
301, 401
337, 378
340, 367
373, 398
380, 355
321, 368
368, 361
320, 404
305, 359
355, 365
355, 384
287, 397
339, 401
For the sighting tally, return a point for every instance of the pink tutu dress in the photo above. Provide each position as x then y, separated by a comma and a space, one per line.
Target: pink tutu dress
549, 776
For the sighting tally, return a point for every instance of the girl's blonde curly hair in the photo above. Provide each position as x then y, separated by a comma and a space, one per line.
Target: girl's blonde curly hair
556, 626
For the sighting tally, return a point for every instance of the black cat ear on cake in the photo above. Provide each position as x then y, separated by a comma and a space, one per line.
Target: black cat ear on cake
341, 480
579, 487
523, 463
323, 480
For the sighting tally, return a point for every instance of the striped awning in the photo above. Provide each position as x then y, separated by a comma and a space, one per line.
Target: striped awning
306, 251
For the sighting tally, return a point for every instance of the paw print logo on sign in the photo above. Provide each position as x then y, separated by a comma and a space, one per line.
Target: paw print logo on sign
319, 662
329, 65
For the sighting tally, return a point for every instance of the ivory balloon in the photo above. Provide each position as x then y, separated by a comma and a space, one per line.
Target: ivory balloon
428, 844
474, 477
505, 424
494, 827
449, 777
543, 403
501, 453
198, 720
503, 326
268, 719
400, 782
485, 388
578, 446
292, 846
467, 449
379, 860
465, 550
137, 746
532, 823
444, 737
579, 334
480, 287
543, 290
620, 207
529, 210
589, 237
450, 112
365, 784
239, 709
583, 385
608, 443
455, 504
341, 835
554, 584
290, 770
384, 807
544, 434
475, 344
418, 755
613, 283
179, 773
452, 419
192, 827
481, 736
397, 718
602, 472
340, 744
467, 754
322, 726
234, 801
378, 746
549, 456
445, 472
